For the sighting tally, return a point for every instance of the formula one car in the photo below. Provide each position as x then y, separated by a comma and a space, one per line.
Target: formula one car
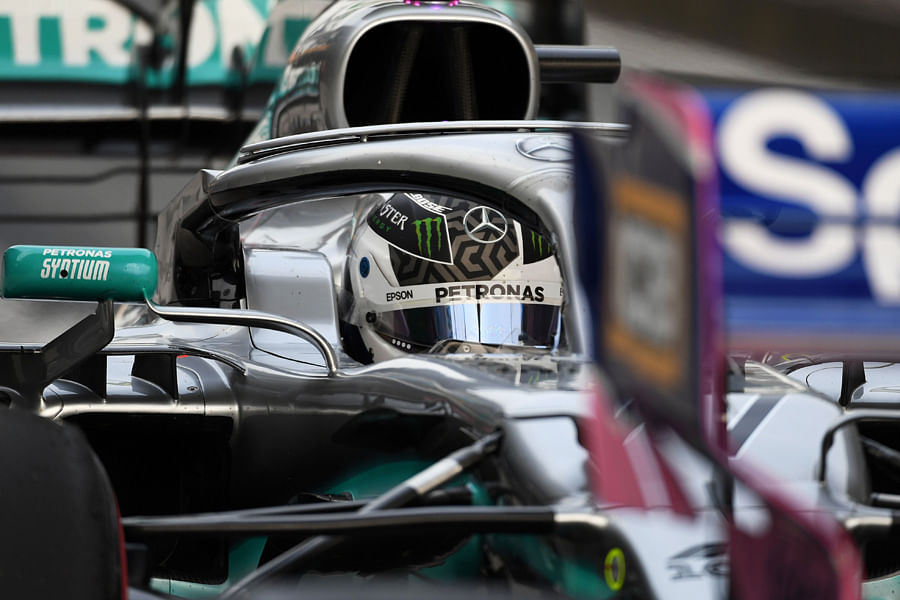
361, 354
364, 359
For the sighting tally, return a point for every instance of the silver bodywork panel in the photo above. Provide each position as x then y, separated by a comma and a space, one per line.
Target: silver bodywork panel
297, 285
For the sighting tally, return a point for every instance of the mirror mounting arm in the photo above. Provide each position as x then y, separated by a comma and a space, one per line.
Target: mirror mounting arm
250, 318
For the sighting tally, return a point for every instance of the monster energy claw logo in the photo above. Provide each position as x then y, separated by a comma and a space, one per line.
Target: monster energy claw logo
426, 225
537, 243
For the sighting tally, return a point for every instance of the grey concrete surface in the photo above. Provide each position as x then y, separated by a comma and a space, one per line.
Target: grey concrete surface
692, 60
849, 40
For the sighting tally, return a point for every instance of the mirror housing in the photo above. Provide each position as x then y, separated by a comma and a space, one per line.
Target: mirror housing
79, 273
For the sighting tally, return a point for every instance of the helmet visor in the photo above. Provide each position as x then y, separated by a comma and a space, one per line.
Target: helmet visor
485, 323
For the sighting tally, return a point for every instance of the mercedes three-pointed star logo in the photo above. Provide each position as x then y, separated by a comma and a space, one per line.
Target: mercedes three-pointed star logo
485, 225
545, 148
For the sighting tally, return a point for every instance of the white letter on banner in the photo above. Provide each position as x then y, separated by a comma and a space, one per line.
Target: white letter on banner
202, 40
881, 256
23, 23
78, 39
743, 134
240, 25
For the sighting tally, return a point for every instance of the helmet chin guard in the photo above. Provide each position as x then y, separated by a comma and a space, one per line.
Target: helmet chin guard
425, 269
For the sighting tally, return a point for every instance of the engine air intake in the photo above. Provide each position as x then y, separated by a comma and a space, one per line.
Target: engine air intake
418, 71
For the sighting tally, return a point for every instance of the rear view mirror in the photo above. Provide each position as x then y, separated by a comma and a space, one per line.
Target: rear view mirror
79, 273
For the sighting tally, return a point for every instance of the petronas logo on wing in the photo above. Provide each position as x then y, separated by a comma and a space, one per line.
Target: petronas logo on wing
425, 226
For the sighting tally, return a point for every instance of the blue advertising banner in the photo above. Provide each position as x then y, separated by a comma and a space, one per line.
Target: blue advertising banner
810, 201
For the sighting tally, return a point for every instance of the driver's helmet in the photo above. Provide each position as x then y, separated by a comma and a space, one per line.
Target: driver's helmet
434, 273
